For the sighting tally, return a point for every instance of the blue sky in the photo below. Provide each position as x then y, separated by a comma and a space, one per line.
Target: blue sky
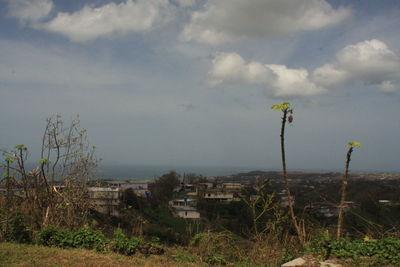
190, 82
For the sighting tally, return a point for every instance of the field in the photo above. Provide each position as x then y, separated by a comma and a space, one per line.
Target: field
30, 255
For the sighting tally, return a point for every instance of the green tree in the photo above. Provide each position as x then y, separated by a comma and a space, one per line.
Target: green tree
163, 188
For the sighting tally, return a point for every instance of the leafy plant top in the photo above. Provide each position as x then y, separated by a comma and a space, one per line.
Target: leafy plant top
283, 106
354, 144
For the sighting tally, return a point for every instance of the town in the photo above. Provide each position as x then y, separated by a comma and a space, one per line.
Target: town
314, 192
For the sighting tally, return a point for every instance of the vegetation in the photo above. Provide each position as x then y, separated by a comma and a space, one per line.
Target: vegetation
256, 230
378, 252
343, 191
287, 111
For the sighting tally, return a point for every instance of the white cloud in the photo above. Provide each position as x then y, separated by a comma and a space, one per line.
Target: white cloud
29, 10
229, 20
370, 62
278, 80
90, 23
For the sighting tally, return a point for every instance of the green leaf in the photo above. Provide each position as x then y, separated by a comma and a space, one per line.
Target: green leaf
354, 144
283, 106
10, 160
20, 146
43, 161
276, 107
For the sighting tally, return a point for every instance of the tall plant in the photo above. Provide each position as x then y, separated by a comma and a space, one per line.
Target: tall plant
287, 111
343, 190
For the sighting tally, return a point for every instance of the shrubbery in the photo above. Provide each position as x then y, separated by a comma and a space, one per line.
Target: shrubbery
85, 237
123, 245
13, 228
379, 251
52, 236
88, 238
215, 244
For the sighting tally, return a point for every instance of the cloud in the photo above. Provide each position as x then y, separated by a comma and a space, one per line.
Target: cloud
370, 62
29, 10
229, 20
278, 80
186, 3
56, 67
91, 23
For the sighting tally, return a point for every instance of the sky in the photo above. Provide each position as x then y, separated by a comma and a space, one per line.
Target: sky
191, 82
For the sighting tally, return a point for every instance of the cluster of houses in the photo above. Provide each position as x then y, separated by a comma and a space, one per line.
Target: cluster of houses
185, 207
107, 198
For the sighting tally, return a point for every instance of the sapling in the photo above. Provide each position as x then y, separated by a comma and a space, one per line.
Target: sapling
345, 180
8, 177
287, 111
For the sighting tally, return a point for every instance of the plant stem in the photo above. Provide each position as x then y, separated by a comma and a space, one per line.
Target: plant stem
343, 195
286, 180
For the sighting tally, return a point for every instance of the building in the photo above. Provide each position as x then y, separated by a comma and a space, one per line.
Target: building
139, 187
185, 208
105, 200
218, 195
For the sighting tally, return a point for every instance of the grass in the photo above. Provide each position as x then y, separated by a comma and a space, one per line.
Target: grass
30, 255
21, 255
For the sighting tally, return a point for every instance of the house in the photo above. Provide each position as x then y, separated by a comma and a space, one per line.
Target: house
284, 199
185, 208
218, 195
105, 200
138, 187
237, 187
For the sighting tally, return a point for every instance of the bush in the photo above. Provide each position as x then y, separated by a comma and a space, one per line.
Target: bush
52, 236
88, 238
379, 251
13, 228
231, 246
215, 259
123, 245
182, 256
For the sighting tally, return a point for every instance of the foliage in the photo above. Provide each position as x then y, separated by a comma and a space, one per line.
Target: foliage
88, 238
21, 147
43, 161
379, 251
51, 236
182, 256
354, 144
283, 106
123, 245
13, 228
225, 243
216, 259
9, 160
164, 186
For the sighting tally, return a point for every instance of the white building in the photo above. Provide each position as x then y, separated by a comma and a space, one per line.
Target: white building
185, 208
139, 187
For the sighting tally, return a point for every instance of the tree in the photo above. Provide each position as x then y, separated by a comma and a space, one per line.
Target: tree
287, 111
165, 185
259, 202
55, 192
343, 190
